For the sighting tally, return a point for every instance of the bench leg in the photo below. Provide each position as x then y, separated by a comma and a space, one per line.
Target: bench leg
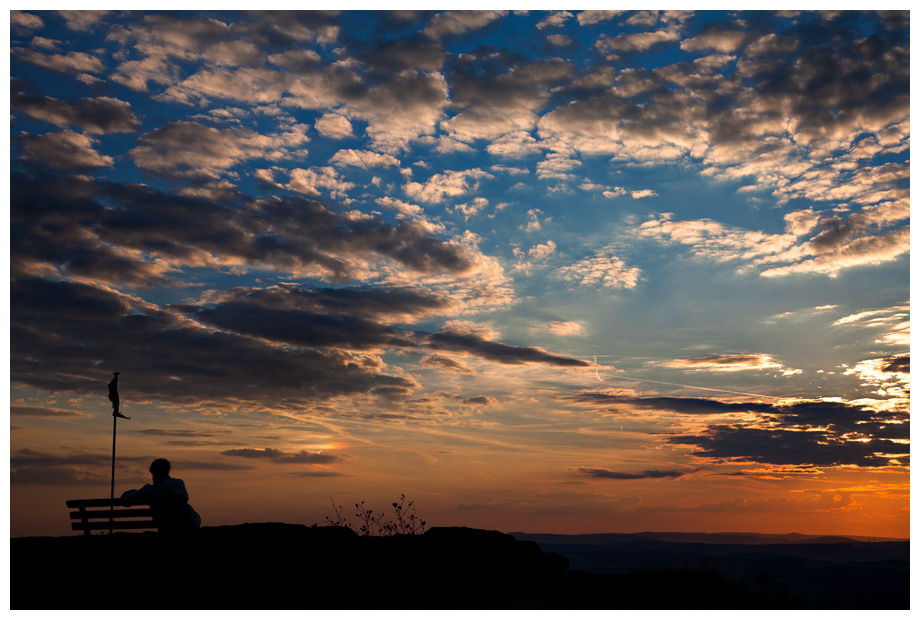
85, 521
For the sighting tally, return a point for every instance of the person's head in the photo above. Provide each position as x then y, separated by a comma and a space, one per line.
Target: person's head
159, 469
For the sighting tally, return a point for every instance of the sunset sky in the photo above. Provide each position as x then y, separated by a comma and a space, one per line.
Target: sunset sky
569, 272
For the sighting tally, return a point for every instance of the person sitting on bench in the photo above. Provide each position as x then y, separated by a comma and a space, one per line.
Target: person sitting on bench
168, 501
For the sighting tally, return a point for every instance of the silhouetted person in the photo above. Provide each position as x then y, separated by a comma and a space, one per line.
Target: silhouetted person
168, 501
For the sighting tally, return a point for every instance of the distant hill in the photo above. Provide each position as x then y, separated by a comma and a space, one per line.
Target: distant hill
830, 572
729, 538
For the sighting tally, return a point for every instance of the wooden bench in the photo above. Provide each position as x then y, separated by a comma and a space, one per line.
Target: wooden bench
106, 514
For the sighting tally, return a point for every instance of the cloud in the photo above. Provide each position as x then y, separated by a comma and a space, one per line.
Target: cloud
784, 254
44, 412
65, 150
731, 362
557, 167
481, 400
76, 469
516, 144
502, 100
589, 18
443, 362
291, 27
153, 47
890, 375
822, 433
792, 447
813, 113
405, 107
388, 304
184, 149
683, 406
318, 474
285, 458
448, 183
560, 40
667, 115
25, 22
533, 220
407, 53
208, 465
542, 251
26, 456
638, 42
353, 319
475, 344
893, 323
810, 502
555, 19
314, 181
55, 476
473, 207
334, 126
83, 20
508, 169
407, 210
152, 233
711, 240
71, 62
643, 18
866, 250
62, 331
45, 44
398, 107
565, 328
602, 271
458, 22
653, 474
363, 159
720, 39
772, 43
159, 432
99, 115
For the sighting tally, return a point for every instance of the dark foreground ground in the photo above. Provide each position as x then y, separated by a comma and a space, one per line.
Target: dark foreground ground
281, 566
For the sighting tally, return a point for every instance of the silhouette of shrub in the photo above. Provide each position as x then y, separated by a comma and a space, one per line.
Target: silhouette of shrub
404, 519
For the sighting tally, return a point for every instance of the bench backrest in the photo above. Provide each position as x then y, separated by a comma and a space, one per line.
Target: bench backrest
107, 514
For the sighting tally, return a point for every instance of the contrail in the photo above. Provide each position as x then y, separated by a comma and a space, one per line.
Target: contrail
695, 387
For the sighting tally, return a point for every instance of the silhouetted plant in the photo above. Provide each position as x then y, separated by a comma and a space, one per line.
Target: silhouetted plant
339, 520
405, 520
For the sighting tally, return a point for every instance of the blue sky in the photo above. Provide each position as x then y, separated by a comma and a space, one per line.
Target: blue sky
570, 271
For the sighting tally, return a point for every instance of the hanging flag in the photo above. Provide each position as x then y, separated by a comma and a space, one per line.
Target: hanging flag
113, 394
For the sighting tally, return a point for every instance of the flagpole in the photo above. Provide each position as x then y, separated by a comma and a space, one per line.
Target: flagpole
112, 497
113, 396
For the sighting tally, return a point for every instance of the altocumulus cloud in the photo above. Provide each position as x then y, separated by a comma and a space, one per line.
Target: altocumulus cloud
158, 156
